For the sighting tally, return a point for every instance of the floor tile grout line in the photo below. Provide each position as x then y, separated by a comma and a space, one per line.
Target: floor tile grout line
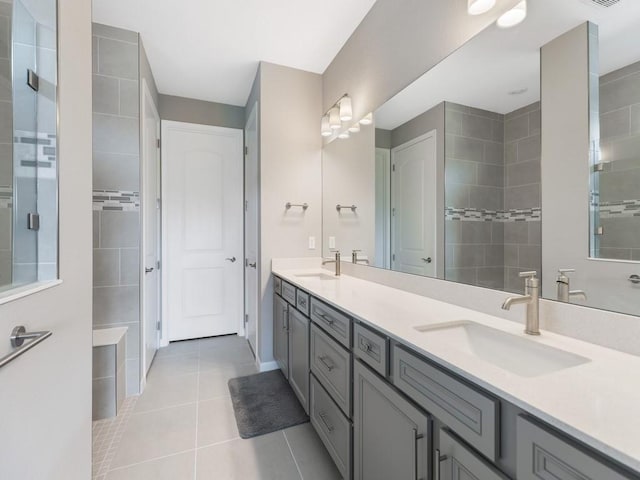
155, 410
284, 433
195, 453
149, 460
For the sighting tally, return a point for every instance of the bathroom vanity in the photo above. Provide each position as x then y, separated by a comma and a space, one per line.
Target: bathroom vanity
406, 387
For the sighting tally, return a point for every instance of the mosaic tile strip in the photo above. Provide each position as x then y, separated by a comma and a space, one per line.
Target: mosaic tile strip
6, 197
118, 200
107, 435
477, 215
46, 148
625, 208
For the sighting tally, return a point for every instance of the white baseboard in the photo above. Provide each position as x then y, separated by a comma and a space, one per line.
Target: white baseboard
267, 366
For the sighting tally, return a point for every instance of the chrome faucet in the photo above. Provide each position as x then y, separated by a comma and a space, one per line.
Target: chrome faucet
354, 258
531, 298
336, 261
564, 292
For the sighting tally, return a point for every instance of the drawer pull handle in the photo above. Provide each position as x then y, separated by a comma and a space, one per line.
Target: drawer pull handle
302, 302
285, 321
439, 460
329, 320
366, 347
323, 417
329, 366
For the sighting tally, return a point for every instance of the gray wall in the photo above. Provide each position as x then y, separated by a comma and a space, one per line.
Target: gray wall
620, 181
116, 165
6, 146
188, 110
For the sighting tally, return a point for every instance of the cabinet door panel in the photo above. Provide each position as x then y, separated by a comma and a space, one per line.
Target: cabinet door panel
280, 334
457, 462
299, 356
391, 436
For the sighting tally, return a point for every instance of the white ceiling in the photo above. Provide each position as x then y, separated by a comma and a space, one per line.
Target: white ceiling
210, 49
497, 61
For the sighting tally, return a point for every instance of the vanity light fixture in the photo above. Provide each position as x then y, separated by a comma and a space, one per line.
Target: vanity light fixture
344, 135
478, 7
367, 120
513, 17
334, 118
346, 112
355, 128
326, 127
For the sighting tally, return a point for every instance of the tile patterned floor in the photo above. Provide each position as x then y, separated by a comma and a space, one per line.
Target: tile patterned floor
183, 427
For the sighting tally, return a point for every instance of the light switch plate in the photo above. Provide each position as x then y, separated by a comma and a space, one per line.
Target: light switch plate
312, 243
332, 242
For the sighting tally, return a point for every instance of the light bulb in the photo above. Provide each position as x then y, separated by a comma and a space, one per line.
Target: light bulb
514, 16
334, 118
344, 135
355, 128
325, 129
478, 7
346, 113
367, 120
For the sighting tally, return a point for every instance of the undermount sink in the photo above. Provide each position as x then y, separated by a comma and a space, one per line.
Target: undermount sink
517, 355
316, 276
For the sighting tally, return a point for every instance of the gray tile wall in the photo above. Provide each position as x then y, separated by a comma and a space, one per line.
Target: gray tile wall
116, 166
620, 148
6, 148
522, 240
493, 164
474, 178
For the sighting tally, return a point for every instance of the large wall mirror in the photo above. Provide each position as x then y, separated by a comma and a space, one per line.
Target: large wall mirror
448, 180
28, 143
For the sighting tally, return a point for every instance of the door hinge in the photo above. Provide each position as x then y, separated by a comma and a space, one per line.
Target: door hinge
158, 265
246, 205
393, 212
393, 257
158, 325
393, 168
33, 221
33, 80
159, 143
246, 150
158, 203
246, 318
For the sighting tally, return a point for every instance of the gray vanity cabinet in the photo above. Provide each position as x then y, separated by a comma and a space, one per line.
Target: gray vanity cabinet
299, 356
457, 462
391, 436
281, 334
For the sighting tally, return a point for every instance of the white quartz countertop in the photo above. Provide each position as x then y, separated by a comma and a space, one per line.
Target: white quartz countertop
596, 402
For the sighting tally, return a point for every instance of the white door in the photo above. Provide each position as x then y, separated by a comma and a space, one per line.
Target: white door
251, 227
383, 207
413, 206
202, 230
150, 284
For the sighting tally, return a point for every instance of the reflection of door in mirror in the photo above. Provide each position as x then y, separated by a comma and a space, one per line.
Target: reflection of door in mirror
413, 206
6, 157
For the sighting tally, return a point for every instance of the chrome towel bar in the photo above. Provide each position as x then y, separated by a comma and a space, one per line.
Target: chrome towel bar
18, 336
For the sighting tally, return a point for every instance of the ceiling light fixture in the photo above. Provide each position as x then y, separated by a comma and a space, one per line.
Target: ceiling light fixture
344, 135
513, 17
355, 128
325, 128
367, 120
334, 118
478, 7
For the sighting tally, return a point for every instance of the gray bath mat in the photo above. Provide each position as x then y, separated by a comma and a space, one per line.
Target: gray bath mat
264, 403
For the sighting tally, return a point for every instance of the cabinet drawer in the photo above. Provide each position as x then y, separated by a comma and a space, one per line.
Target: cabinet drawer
331, 364
277, 285
302, 302
472, 415
331, 320
371, 348
455, 461
289, 292
543, 455
333, 428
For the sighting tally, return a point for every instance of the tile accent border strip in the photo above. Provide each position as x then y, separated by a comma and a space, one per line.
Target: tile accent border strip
6, 197
624, 208
477, 215
116, 200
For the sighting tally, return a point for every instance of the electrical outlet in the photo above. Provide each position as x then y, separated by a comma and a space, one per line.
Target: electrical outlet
332, 242
312, 243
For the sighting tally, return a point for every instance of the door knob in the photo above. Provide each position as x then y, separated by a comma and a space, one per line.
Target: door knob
232, 259
635, 279
148, 269
427, 260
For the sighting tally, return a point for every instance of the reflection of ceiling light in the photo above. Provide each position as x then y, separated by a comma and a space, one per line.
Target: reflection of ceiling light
344, 135
518, 91
346, 113
514, 16
367, 120
325, 130
478, 7
355, 128
334, 118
